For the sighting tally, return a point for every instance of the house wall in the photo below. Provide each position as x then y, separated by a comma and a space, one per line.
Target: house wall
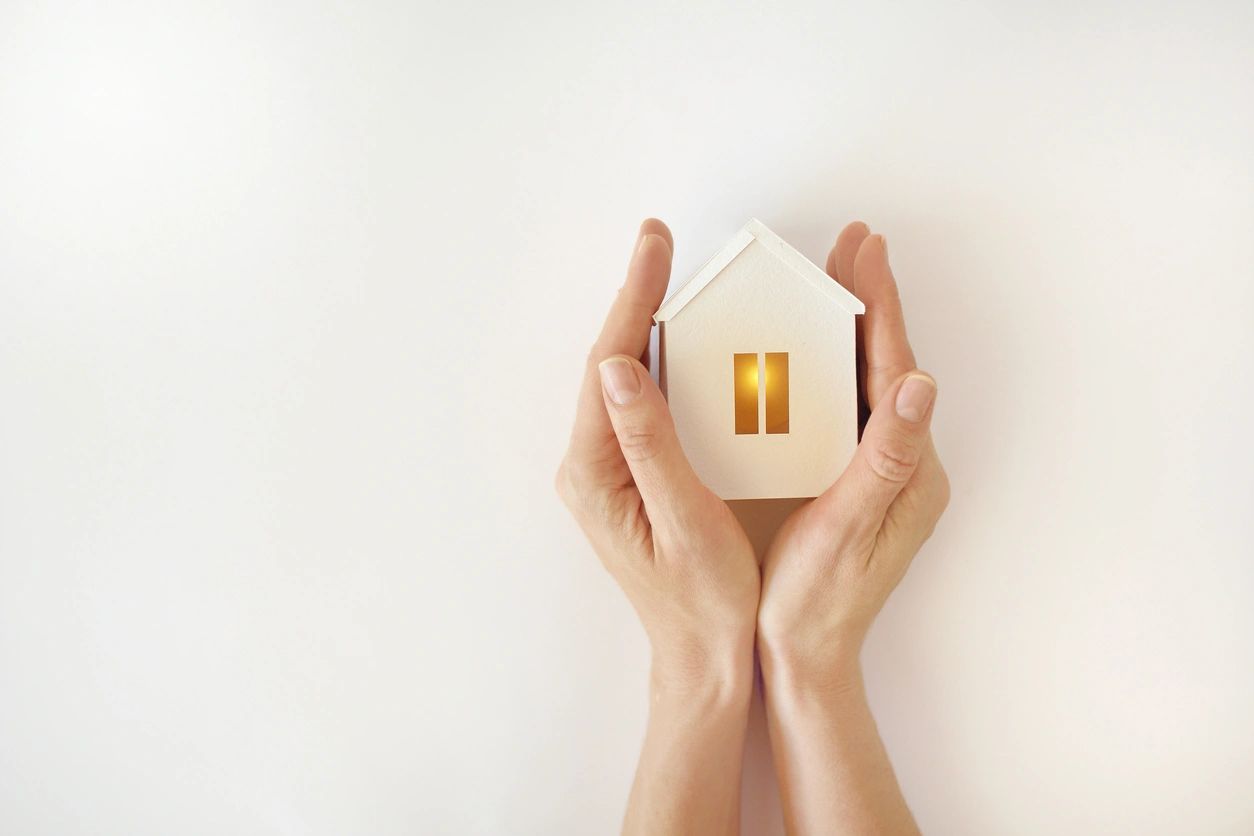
758, 304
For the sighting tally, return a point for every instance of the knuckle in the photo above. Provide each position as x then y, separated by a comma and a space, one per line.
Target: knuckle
639, 309
929, 527
934, 489
928, 504
640, 442
943, 493
563, 483
593, 358
892, 459
576, 489
601, 349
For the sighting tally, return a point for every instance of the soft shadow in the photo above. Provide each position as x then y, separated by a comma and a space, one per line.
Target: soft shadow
760, 810
761, 518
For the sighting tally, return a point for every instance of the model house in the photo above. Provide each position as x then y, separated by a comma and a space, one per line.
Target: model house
757, 361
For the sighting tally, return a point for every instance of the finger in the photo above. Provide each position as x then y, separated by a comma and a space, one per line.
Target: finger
893, 444
840, 259
840, 267
888, 354
646, 435
626, 331
626, 328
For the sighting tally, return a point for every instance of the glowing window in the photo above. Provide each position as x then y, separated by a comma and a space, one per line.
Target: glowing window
745, 369
759, 383
777, 392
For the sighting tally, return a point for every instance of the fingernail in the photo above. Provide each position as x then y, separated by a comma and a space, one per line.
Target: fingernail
647, 240
914, 397
619, 380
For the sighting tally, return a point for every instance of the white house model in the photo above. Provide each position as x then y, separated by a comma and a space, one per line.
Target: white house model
757, 361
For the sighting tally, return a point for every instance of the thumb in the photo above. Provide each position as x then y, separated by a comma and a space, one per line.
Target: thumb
893, 443
646, 434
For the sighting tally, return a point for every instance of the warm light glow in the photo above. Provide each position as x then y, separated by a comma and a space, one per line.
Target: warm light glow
777, 392
745, 375
752, 394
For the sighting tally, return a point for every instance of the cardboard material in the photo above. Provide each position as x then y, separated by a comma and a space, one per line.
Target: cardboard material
760, 296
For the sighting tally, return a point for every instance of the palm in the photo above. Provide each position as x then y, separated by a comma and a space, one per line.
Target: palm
830, 560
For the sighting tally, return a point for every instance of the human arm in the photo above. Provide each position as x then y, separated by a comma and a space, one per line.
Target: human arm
833, 564
681, 558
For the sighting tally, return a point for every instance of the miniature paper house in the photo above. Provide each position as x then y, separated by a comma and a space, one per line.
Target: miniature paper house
757, 361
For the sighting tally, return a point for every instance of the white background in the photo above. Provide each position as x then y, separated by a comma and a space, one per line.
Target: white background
294, 299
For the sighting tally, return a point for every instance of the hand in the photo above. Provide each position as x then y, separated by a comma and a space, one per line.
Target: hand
834, 562
832, 565
673, 546
680, 555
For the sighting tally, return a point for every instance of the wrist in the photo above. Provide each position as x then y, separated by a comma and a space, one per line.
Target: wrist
804, 665
704, 675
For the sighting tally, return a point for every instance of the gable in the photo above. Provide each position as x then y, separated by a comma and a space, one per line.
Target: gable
797, 264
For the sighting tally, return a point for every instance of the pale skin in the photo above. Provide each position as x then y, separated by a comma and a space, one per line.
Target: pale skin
705, 603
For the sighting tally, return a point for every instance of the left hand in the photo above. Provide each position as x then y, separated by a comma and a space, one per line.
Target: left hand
834, 562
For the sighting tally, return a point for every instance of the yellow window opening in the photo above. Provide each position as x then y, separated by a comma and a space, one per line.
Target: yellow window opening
745, 369
754, 390
777, 392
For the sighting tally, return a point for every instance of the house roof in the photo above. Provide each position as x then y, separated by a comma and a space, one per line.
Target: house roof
756, 230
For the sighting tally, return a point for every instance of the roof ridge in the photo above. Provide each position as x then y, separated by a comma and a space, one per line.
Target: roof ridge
781, 249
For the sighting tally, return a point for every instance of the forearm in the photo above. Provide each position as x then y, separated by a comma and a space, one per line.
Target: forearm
834, 773
688, 779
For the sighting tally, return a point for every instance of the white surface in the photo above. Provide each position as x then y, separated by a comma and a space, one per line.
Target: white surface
759, 303
294, 301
